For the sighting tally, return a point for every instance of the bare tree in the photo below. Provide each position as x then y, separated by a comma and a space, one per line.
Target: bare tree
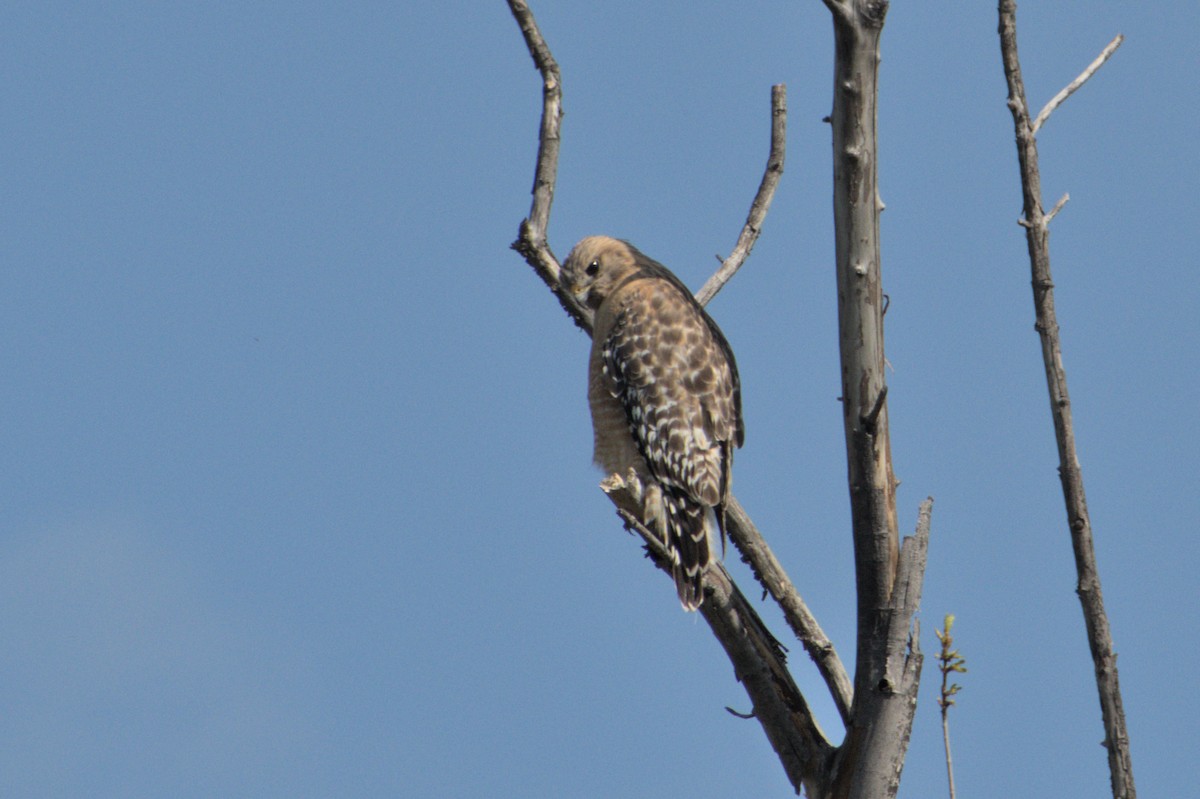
877, 708
1037, 234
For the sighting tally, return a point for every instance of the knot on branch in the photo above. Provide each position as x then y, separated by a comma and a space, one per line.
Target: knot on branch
870, 421
874, 12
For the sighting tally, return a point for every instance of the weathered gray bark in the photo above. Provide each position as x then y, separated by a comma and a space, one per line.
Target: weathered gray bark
888, 658
1037, 235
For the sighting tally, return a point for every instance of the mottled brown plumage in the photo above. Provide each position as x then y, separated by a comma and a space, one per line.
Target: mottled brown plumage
664, 395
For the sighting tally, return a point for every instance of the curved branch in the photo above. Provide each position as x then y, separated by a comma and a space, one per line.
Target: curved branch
751, 545
531, 238
762, 200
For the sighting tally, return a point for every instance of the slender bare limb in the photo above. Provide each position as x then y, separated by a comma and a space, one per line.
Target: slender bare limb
949, 757
1037, 235
531, 240
762, 200
761, 560
745, 536
1074, 85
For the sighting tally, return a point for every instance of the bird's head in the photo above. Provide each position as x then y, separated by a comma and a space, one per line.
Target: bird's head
595, 266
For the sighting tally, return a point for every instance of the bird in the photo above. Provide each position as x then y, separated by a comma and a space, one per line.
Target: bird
665, 399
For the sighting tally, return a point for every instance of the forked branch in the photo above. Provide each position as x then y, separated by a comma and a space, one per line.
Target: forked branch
758, 660
745, 536
1037, 236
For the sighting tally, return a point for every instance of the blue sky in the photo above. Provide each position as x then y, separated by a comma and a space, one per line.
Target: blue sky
298, 496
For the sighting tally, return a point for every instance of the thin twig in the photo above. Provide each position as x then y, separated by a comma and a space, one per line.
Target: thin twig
762, 200
949, 757
654, 545
1074, 85
1058, 206
949, 662
1116, 736
871, 419
841, 9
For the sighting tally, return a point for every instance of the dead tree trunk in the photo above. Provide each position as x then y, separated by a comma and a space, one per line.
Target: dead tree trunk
888, 658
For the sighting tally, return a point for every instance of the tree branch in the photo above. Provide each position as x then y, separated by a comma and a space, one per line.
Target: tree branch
758, 659
770, 574
1058, 206
762, 200
752, 546
531, 237
1037, 235
1074, 85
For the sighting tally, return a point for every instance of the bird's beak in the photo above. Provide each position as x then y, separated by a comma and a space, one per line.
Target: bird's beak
577, 291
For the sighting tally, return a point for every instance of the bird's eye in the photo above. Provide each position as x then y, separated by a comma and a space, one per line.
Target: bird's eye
592, 268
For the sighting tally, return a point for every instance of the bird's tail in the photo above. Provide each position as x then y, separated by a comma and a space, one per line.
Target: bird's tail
688, 545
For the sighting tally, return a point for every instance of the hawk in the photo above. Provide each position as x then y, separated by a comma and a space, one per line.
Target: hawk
665, 399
